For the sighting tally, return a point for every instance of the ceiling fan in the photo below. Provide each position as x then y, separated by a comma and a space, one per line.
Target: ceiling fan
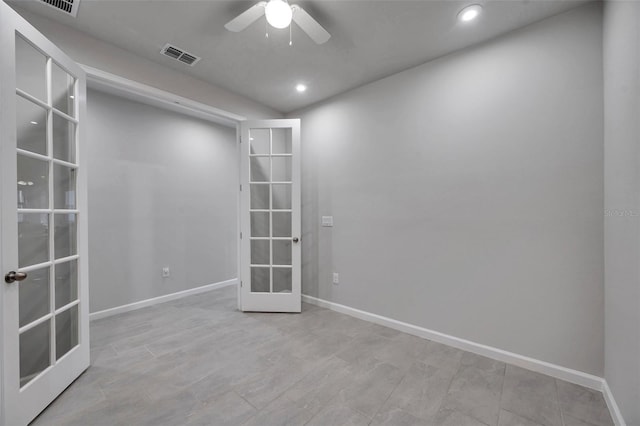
279, 15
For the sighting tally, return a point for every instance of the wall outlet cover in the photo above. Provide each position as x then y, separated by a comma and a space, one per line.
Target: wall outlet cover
336, 278
166, 272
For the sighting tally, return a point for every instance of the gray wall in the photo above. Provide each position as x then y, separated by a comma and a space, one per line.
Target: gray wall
162, 192
467, 193
622, 204
104, 56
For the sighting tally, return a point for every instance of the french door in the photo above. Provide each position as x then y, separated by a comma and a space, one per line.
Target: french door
270, 216
43, 224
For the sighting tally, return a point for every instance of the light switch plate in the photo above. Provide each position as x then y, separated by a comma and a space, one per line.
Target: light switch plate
327, 221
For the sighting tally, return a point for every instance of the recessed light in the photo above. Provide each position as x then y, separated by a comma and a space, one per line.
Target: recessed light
301, 88
72, 97
22, 183
469, 13
34, 122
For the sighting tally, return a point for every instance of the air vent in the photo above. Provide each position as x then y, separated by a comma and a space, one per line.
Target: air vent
70, 7
188, 59
179, 55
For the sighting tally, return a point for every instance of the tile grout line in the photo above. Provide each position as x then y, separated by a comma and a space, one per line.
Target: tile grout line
504, 379
388, 397
284, 391
333, 356
453, 376
555, 381
247, 401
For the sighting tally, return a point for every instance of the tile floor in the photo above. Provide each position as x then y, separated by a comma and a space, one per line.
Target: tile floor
198, 361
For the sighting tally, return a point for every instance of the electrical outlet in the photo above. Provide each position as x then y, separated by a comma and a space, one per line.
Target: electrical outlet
165, 272
336, 278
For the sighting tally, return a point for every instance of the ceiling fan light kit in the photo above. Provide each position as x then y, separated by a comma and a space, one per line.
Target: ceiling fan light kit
280, 14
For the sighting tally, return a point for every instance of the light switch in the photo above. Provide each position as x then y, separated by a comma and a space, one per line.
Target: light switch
327, 221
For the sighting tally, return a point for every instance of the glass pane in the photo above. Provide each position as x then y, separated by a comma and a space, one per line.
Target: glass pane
260, 280
33, 183
33, 295
66, 283
62, 90
64, 147
260, 252
33, 238
281, 141
31, 67
34, 351
281, 224
260, 169
260, 196
282, 282
259, 224
281, 252
65, 235
31, 126
281, 196
260, 141
281, 169
66, 331
64, 187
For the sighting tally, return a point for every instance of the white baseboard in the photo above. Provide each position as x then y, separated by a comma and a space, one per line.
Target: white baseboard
160, 299
616, 415
573, 376
559, 372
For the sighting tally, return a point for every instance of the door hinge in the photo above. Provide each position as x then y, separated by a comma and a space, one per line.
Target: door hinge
241, 235
240, 283
240, 187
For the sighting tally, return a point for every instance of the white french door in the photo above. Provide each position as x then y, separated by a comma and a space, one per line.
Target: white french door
43, 223
270, 225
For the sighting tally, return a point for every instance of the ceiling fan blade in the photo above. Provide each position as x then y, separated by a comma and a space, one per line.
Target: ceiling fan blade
310, 25
246, 18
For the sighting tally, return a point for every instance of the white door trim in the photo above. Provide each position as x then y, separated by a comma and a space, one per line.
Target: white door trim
120, 86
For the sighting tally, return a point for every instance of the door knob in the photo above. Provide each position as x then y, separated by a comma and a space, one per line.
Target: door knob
295, 239
14, 276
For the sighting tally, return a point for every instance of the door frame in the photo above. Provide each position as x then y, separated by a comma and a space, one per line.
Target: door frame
140, 92
270, 301
78, 358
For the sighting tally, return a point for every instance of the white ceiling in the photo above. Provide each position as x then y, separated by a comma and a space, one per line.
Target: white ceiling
370, 39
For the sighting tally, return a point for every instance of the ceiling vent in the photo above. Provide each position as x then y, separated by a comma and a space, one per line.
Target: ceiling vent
179, 55
70, 7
